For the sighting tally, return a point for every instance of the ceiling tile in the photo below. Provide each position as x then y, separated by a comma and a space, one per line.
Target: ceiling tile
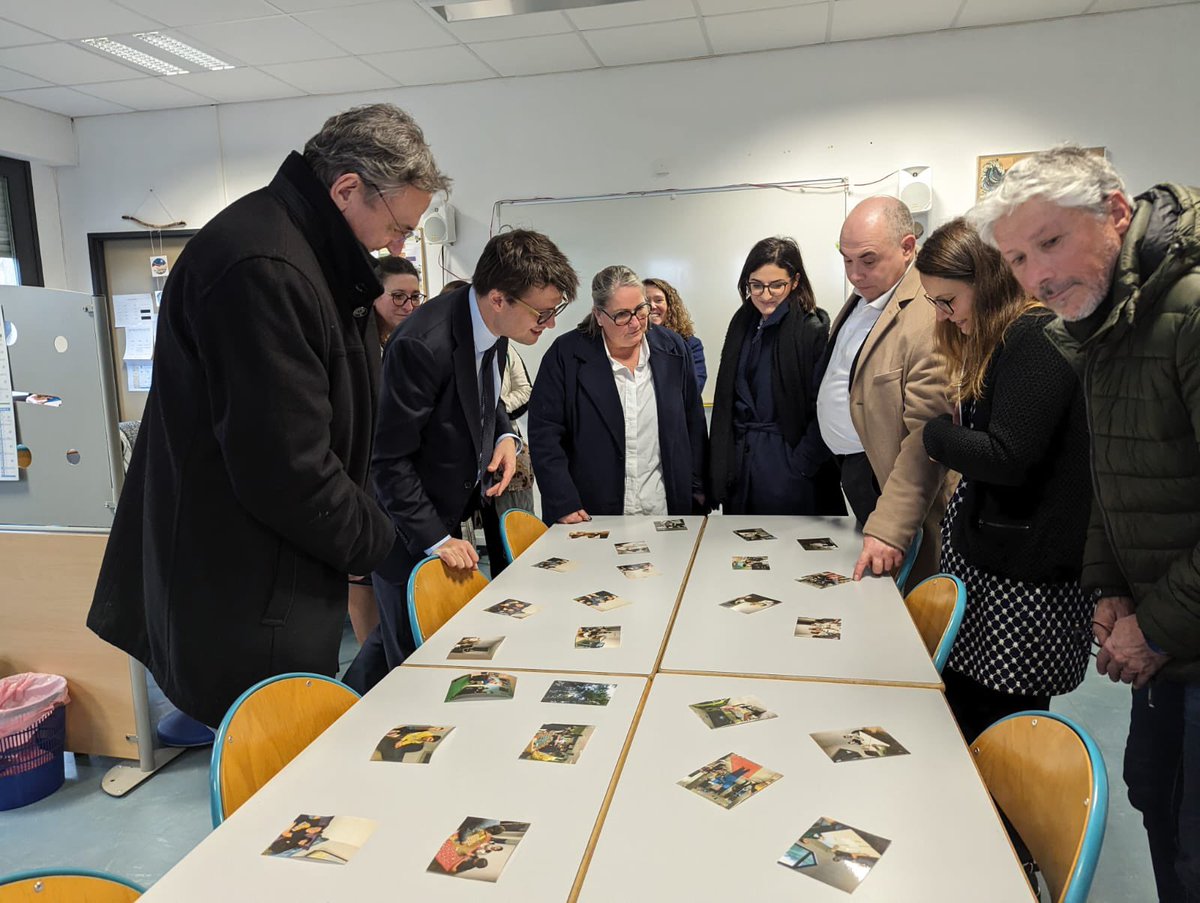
145, 94
11, 80
70, 19
66, 101
300, 6
853, 19
191, 12
989, 12
379, 28
617, 14
339, 76
651, 43
235, 85
428, 67
277, 39
503, 27
1108, 6
722, 7
789, 26
11, 35
530, 56
66, 64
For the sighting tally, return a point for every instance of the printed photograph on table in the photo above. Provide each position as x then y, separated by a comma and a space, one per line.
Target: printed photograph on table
819, 544
751, 563
473, 647
598, 638
562, 565
631, 548
732, 710
482, 685
411, 743
835, 853
638, 571
602, 600
858, 743
561, 743
322, 838
824, 579
575, 692
753, 534
729, 780
588, 534
819, 628
670, 526
479, 849
513, 608
750, 603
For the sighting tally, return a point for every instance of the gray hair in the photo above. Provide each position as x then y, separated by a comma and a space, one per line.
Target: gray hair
1067, 176
380, 143
899, 218
604, 285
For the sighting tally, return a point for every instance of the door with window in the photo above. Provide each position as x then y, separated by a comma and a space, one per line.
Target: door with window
20, 260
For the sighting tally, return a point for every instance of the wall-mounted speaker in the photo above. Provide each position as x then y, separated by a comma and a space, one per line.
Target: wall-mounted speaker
916, 188
439, 225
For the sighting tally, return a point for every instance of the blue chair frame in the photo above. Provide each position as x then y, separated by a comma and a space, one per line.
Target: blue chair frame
504, 531
411, 596
946, 643
910, 558
34, 874
214, 766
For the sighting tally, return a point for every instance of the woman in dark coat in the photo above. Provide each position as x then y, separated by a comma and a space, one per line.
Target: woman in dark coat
767, 453
1014, 530
617, 383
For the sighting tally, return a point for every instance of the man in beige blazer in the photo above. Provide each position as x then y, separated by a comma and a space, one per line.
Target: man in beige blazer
881, 383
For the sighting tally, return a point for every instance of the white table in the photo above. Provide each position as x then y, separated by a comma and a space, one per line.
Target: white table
476, 772
879, 643
546, 640
660, 841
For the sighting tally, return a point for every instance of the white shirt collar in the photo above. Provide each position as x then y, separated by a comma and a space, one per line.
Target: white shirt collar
484, 337
643, 356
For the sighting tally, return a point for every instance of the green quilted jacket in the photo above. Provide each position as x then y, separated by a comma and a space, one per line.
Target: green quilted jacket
1141, 373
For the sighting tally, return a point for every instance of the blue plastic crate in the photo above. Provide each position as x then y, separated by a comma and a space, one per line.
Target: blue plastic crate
31, 761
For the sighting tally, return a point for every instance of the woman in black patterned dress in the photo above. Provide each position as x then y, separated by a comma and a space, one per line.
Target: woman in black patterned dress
1014, 530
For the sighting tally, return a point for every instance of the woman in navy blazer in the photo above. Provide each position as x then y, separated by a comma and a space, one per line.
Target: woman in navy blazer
577, 425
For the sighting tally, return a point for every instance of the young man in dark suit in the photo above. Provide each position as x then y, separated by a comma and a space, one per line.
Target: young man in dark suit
443, 444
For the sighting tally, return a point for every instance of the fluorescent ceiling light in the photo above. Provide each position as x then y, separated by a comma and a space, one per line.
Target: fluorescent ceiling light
131, 55
184, 51
490, 9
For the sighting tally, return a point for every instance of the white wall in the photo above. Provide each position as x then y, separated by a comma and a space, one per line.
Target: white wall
858, 110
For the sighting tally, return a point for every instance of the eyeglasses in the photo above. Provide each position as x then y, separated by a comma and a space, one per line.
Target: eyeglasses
945, 305
401, 232
403, 299
622, 317
758, 289
543, 316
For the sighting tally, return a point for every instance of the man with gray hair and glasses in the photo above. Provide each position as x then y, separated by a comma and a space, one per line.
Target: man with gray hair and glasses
244, 509
1124, 276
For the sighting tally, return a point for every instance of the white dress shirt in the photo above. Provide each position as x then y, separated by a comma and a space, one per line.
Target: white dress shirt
645, 492
833, 398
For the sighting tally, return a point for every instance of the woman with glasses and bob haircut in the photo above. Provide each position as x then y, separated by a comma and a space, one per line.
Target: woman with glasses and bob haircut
1014, 530
401, 294
615, 421
767, 453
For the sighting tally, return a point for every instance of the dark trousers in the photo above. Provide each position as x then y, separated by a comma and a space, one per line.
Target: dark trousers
391, 642
497, 558
1162, 772
976, 707
859, 484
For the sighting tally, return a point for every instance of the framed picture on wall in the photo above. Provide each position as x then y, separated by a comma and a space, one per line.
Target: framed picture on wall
990, 170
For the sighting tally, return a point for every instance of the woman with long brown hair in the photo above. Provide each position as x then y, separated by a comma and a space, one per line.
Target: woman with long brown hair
666, 309
1014, 530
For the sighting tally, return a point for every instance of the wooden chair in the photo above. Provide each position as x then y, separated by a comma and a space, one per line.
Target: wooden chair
937, 605
67, 886
910, 558
519, 529
1047, 775
436, 592
267, 727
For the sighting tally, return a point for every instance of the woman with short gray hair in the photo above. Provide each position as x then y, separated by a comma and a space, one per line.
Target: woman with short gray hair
615, 422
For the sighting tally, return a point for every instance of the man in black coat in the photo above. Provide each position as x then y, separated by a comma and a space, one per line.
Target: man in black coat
444, 445
244, 510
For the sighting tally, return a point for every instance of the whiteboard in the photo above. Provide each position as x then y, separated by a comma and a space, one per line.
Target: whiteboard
697, 241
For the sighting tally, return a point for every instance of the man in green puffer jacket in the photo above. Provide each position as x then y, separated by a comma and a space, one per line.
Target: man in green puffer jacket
1124, 276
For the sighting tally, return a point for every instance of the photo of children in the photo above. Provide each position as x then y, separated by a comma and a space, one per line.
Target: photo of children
858, 743
513, 608
753, 534
561, 743
751, 563
730, 780
561, 565
638, 571
602, 600
835, 853
821, 544
479, 849
482, 685
631, 548
670, 526
731, 710
411, 743
819, 628
750, 603
475, 648
588, 534
598, 638
823, 580
322, 838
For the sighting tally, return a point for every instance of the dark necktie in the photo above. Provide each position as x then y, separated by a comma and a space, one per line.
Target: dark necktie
487, 413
